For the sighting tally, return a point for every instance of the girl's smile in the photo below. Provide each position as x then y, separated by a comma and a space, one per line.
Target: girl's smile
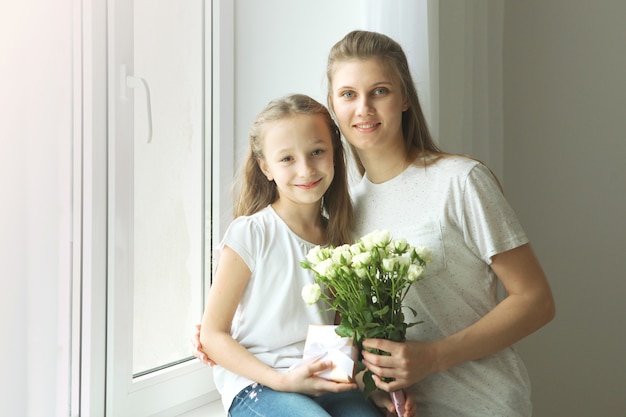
309, 185
298, 157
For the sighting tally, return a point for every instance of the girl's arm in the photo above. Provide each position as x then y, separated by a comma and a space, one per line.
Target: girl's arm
528, 306
229, 283
196, 348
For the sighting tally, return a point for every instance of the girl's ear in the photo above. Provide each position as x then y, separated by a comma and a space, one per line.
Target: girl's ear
264, 169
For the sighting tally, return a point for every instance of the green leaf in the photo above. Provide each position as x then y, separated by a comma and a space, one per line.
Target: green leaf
368, 381
344, 331
376, 332
368, 316
382, 312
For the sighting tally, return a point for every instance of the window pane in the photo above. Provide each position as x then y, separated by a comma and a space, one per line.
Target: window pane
168, 184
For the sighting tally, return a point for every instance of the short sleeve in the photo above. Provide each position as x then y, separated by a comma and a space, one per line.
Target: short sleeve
244, 237
490, 223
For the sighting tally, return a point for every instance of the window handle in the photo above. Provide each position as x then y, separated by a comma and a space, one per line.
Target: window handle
130, 81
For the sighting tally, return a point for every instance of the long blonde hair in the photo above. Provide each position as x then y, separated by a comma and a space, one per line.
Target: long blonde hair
256, 192
363, 45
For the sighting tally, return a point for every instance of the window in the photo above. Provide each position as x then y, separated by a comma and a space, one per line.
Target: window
156, 203
145, 178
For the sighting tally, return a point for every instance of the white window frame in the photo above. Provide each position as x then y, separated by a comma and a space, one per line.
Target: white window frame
182, 387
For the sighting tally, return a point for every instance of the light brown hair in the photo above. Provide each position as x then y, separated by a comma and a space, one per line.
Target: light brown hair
256, 192
365, 45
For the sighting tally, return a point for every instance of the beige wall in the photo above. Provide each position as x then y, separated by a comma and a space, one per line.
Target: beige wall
470, 79
536, 89
564, 150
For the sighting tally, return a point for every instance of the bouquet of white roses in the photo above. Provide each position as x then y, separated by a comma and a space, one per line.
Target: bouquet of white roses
366, 283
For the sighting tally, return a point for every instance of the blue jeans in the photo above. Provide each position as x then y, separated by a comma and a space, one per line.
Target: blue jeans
257, 400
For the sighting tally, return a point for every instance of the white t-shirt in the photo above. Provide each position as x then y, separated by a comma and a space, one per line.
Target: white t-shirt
272, 319
456, 208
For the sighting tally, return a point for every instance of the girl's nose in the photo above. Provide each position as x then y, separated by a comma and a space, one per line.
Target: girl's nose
305, 168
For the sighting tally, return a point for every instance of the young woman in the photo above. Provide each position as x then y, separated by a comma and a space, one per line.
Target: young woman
293, 196
460, 361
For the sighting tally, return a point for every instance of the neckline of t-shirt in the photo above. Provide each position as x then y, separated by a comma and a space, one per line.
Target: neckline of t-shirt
284, 223
390, 181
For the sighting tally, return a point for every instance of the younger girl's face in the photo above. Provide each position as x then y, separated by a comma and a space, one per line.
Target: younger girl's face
298, 156
368, 103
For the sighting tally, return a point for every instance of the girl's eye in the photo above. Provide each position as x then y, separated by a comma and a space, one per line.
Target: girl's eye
286, 159
317, 152
347, 94
380, 91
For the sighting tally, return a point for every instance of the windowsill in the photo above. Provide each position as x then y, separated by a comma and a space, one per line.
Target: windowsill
212, 409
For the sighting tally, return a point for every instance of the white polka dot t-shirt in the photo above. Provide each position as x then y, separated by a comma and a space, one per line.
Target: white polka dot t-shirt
456, 208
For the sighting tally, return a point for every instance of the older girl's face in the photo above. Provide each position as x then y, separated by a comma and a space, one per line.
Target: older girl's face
368, 104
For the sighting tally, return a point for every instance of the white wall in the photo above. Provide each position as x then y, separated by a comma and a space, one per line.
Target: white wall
281, 48
35, 233
565, 145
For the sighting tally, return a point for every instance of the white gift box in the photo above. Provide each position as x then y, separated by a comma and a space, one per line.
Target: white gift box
322, 343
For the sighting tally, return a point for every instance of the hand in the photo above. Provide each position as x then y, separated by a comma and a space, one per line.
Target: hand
303, 379
408, 363
382, 401
197, 348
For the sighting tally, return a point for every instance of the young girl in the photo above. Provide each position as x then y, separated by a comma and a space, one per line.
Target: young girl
460, 361
293, 197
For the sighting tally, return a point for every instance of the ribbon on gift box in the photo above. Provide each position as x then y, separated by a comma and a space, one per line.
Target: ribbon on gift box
322, 343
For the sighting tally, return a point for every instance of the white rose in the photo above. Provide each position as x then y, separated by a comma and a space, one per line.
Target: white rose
414, 272
425, 253
367, 243
360, 272
389, 264
377, 238
400, 246
382, 238
311, 293
326, 268
342, 255
344, 247
315, 255
356, 249
362, 259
